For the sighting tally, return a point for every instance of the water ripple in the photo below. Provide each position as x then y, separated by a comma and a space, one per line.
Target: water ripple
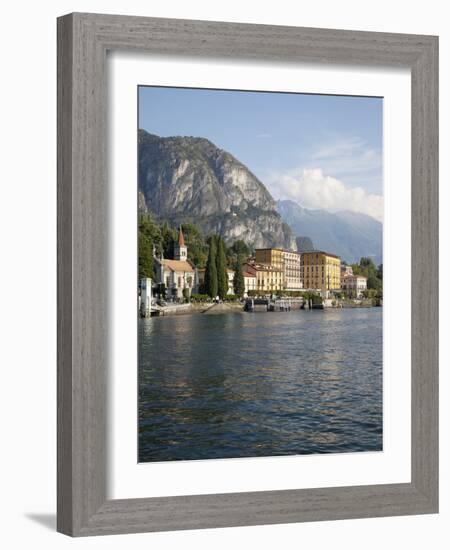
260, 384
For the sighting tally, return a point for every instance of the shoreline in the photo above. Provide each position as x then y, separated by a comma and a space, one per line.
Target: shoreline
227, 308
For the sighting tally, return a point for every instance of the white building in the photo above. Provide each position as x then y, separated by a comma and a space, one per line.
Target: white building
199, 279
145, 299
230, 274
354, 285
292, 270
346, 270
249, 282
177, 274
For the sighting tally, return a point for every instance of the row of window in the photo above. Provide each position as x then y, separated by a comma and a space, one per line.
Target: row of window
317, 269
321, 262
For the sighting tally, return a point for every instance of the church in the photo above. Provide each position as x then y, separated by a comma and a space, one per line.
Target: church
177, 274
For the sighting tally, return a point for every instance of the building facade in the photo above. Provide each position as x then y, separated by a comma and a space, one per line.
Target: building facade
268, 279
321, 271
287, 261
346, 270
249, 281
270, 256
177, 274
354, 285
292, 270
230, 274
145, 297
200, 279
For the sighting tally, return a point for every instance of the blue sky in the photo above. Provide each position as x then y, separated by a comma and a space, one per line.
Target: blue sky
321, 151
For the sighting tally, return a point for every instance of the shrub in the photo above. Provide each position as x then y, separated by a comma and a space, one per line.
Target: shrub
291, 293
313, 296
186, 294
231, 298
200, 298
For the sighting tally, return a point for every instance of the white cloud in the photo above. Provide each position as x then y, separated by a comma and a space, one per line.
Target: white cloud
311, 188
337, 173
349, 159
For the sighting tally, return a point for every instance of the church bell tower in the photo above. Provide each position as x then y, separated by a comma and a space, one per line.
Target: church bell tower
180, 249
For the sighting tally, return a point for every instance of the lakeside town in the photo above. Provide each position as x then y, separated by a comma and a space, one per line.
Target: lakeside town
260, 269
238, 278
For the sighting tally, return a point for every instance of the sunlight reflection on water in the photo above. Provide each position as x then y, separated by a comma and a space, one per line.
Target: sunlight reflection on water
260, 384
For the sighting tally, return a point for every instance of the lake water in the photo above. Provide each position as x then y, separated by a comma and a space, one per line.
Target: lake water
260, 384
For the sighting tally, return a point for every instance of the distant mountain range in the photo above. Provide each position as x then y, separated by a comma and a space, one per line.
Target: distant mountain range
189, 179
350, 235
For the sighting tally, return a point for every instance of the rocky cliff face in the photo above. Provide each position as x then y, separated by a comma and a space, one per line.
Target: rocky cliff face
187, 179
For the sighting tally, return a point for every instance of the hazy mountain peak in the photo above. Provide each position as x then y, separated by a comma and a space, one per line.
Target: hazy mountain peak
348, 234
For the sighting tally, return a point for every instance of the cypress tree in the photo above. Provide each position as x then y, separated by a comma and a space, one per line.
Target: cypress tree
211, 270
149, 239
221, 264
145, 256
238, 281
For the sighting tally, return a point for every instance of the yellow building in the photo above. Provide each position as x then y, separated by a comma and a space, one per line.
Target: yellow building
321, 270
270, 256
287, 261
268, 279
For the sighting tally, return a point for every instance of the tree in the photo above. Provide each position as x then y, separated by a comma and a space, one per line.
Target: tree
374, 276
373, 282
380, 272
221, 266
367, 263
149, 240
211, 269
312, 297
238, 280
162, 291
145, 257
197, 246
238, 252
186, 294
168, 237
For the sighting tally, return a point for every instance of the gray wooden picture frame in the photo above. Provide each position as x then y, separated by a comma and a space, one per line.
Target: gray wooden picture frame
83, 41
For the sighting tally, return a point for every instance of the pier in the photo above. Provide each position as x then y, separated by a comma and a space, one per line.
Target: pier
155, 310
268, 304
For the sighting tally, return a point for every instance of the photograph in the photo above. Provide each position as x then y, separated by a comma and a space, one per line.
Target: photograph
260, 274
215, 206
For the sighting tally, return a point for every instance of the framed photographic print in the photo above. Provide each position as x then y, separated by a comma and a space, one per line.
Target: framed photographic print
247, 274
216, 381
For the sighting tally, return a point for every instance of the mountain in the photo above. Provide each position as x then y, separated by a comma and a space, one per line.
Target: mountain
304, 244
350, 235
188, 179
